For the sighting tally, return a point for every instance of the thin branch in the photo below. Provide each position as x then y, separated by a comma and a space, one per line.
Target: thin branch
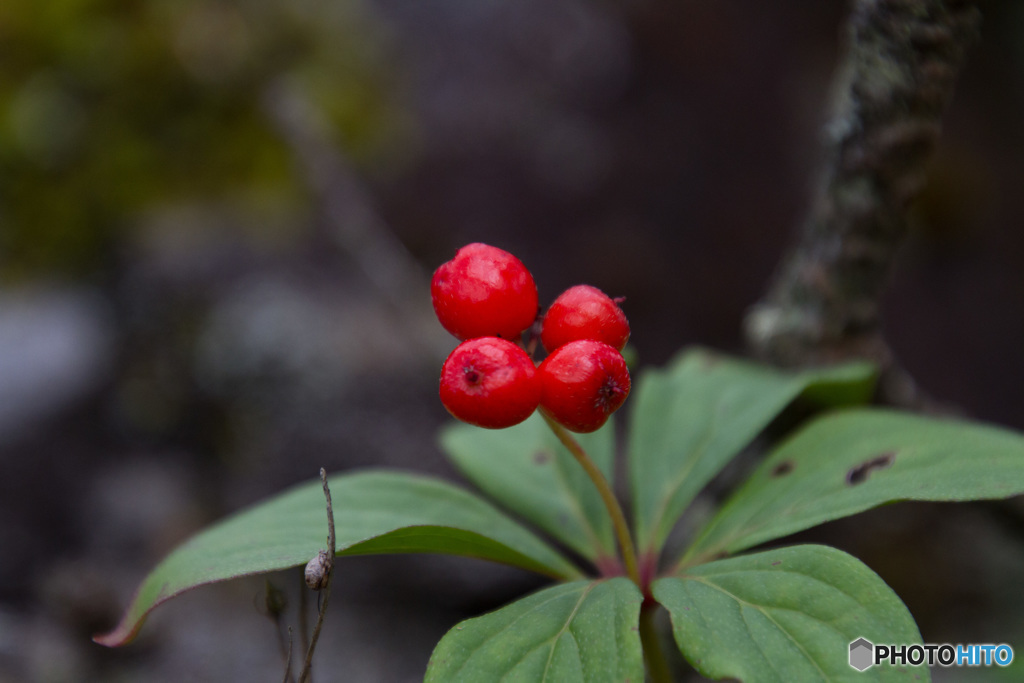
898, 74
331, 541
352, 221
325, 561
288, 660
349, 218
303, 616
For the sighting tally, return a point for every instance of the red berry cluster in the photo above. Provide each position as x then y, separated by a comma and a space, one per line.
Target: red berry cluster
486, 297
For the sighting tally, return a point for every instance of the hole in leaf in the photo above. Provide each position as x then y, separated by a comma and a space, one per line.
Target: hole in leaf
860, 473
783, 468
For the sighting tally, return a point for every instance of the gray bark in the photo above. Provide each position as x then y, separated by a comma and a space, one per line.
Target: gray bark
901, 62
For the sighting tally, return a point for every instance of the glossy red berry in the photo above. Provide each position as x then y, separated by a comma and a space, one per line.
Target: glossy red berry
490, 382
484, 292
582, 383
584, 312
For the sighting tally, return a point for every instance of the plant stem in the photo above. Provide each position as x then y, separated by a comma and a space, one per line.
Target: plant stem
654, 656
332, 549
303, 614
288, 660
610, 501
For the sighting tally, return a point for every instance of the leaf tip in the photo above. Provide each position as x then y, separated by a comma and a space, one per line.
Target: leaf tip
134, 617
122, 634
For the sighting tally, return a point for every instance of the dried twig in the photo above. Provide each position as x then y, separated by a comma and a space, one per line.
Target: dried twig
899, 70
349, 218
323, 570
288, 660
303, 616
352, 221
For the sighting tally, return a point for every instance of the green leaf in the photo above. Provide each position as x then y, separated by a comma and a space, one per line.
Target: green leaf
375, 512
690, 419
580, 631
849, 461
784, 615
527, 470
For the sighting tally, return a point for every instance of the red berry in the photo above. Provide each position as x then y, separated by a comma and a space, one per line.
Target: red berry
490, 382
484, 292
584, 312
583, 382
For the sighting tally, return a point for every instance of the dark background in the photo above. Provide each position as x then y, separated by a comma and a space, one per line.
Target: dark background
217, 221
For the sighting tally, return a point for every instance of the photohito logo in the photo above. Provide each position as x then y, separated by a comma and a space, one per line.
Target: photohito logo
865, 654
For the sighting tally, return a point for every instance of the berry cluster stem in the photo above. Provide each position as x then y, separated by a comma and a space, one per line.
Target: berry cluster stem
610, 501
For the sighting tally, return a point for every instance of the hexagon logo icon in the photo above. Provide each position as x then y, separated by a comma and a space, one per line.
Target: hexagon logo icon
861, 654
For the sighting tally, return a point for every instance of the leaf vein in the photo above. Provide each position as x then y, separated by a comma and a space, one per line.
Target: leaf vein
764, 611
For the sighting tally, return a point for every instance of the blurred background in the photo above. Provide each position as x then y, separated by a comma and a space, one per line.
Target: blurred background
217, 224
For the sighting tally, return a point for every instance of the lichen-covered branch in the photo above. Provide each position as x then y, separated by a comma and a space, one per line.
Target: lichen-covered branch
898, 73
